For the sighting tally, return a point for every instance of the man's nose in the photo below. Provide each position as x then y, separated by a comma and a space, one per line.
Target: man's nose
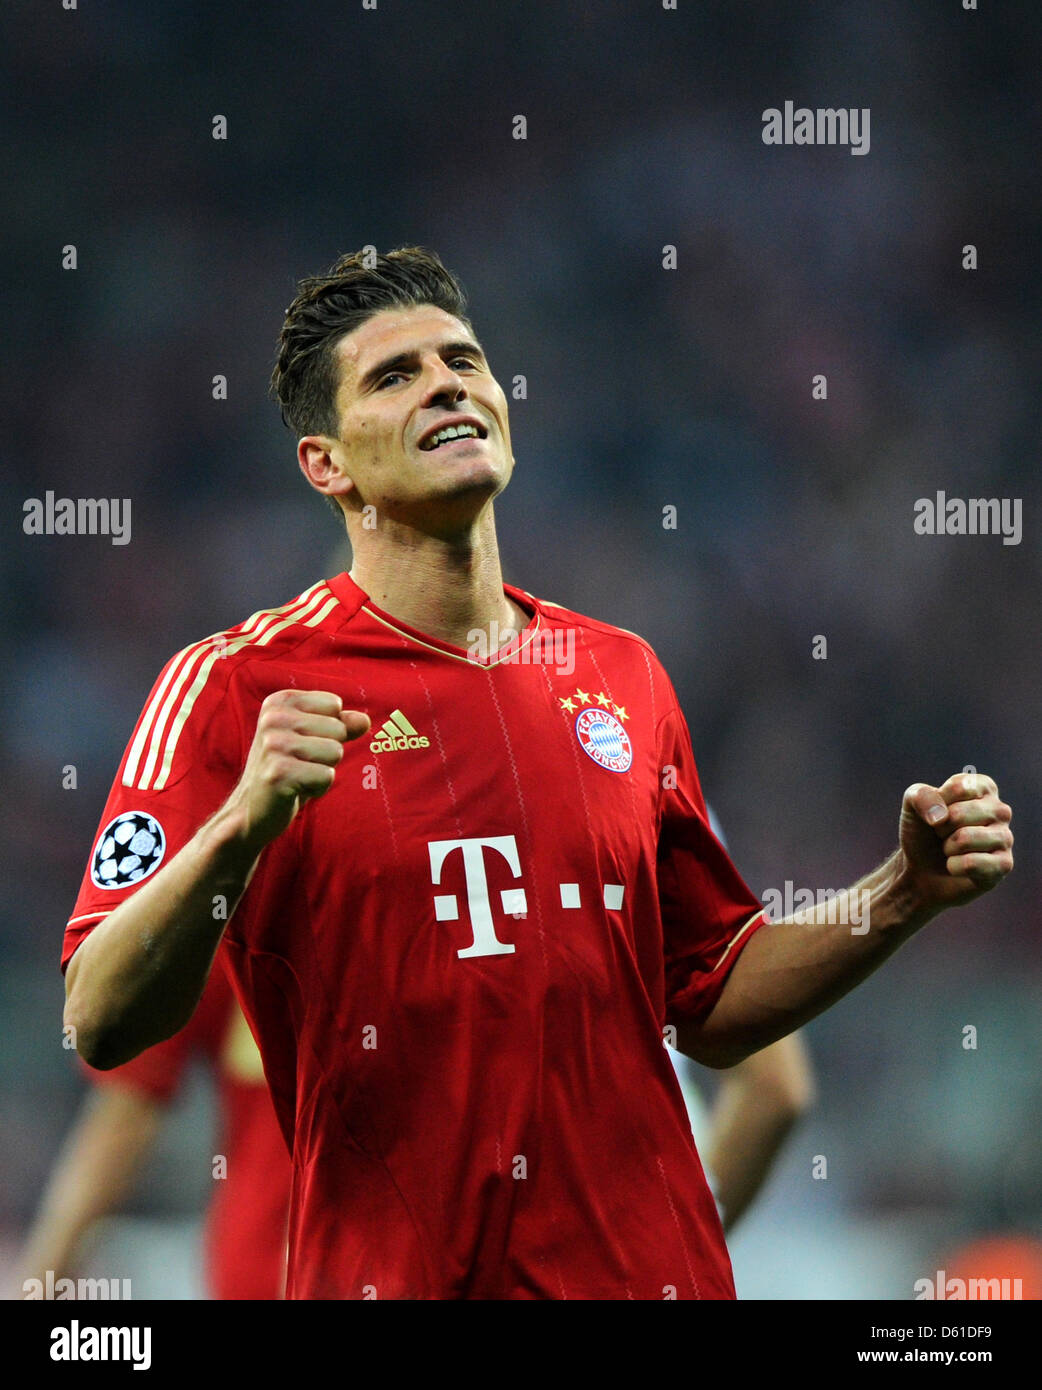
441, 382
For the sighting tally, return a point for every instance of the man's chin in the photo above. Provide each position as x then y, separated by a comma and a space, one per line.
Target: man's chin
479, 482
464, 504
451, 505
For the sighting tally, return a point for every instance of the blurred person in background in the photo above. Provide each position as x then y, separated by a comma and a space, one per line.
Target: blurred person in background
757, 1103
109, 1145
741, 1134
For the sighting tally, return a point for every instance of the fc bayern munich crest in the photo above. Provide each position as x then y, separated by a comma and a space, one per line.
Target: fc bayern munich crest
604, 739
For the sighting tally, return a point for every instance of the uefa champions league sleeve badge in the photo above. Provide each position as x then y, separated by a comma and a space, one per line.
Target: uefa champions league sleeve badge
130, 848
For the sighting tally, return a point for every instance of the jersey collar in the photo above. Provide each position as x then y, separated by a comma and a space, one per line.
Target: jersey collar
352, 597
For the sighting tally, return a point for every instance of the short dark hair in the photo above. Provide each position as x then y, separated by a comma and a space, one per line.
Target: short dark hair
357, 286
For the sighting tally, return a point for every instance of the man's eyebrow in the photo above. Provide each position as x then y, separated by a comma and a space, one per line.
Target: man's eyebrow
465, 346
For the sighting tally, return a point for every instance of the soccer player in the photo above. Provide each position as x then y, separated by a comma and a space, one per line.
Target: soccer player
245, 1230
463, 885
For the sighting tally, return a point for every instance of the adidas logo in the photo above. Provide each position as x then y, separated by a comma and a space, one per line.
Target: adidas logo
396, 735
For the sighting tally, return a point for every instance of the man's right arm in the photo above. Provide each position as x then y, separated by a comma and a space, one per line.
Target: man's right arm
138, 976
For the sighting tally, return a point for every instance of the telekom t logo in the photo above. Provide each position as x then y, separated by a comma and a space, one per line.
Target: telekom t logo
446, 907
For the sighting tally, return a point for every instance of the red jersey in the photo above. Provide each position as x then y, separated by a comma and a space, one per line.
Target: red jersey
245, 1232
459, 962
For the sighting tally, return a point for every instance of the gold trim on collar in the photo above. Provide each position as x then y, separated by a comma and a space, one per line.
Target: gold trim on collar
483, 665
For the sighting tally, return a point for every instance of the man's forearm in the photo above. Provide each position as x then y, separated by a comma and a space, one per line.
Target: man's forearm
794, 969
137, 978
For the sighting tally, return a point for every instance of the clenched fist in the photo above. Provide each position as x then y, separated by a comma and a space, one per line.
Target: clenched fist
955, 839
299, 742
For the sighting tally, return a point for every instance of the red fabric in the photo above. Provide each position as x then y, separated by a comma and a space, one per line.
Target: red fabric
468, 1120
245, 1237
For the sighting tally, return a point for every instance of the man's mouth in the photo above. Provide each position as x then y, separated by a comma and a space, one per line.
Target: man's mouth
449, 433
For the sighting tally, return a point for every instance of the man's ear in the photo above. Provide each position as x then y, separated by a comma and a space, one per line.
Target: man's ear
316, 454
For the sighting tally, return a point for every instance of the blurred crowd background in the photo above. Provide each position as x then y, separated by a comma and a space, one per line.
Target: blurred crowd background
646, 388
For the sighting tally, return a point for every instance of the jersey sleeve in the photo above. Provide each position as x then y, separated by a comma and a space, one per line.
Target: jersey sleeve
709, 914
159, 1070
184, 758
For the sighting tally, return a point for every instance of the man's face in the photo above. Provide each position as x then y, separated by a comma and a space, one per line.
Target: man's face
405, 375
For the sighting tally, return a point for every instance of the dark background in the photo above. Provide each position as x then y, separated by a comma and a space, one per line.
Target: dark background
646, 388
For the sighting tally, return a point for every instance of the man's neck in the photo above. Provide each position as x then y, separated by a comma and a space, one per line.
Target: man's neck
444, 588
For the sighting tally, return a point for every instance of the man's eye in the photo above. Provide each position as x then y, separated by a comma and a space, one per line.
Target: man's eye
388, 378
467, 362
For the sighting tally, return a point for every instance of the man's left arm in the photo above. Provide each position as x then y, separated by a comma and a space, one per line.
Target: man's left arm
954, 844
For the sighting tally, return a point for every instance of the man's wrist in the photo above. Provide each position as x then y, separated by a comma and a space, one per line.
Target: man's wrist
229, 845
897, 904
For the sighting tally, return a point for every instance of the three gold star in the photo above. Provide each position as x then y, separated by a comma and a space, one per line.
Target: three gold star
583, 697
